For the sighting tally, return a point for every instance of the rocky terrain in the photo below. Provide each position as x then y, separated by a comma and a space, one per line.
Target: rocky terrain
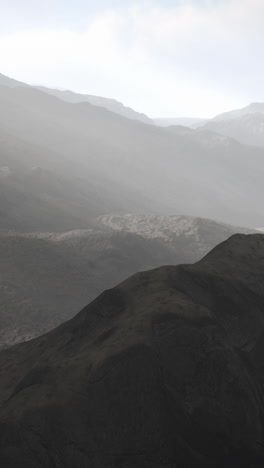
164, 370
45, 278
191, 237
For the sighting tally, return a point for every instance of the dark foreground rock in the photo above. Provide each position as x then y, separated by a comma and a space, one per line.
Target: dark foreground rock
165, 370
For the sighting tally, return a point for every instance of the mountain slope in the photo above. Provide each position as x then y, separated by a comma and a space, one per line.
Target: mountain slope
164, 370
45, 278
110, 104
10, 82
245, 125
136, 167
43, 185
189, 238
254, 108
69, 96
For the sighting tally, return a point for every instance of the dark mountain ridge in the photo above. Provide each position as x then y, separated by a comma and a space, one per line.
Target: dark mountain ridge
165, 370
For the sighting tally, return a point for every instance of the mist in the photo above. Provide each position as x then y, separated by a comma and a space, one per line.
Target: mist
131, 234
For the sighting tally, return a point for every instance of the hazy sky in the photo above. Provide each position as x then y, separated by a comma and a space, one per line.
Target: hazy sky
166, 58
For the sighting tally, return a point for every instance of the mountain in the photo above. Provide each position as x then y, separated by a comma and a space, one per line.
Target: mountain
184, 121
40, 199
245, 125
69, 96
109, 104
43, 184
114, 165
164, 370
254, 108
45, 278
10, 82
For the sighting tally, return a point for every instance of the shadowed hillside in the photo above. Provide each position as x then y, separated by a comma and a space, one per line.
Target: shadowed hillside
164, 370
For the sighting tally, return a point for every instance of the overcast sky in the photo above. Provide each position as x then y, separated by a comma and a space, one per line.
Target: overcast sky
167, 58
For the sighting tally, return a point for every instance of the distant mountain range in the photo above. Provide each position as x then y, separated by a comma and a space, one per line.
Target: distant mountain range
245, 125
74, 98
47, 277
254, 108
164, 370
109, 104
63, 165
185, 121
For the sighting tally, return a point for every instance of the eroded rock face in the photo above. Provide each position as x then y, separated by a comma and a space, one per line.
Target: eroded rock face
165, 370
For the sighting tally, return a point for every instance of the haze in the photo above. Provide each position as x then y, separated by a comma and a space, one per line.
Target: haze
131, 234
163, 58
